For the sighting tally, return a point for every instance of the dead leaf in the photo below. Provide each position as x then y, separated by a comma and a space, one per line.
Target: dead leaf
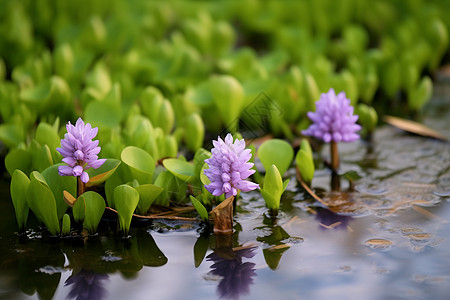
414, 127
222, 215
69, 199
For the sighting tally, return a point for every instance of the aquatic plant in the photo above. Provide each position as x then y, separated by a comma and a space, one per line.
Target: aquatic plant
229, 168
80, 152
333, 122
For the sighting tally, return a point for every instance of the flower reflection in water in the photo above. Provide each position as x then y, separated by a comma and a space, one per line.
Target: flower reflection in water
87, 285
330, 220
237, 276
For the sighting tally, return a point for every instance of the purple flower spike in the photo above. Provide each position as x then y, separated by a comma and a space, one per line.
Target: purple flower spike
334, 119
79, 150
229, 167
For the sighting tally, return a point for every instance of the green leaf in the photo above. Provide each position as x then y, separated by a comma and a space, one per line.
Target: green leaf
195, 132
201, 94
199, 160
103, 114
18, 159
47, 135
420, 95
57, 185
65, 227
19, 188
43, 205
272, 188
100, 175
305, 164
166, 117
140, 164
79, 209
228, 95
11, 134
200, 249
181, 169
126, 200
94, 207
203, 178
200, 208
277, 152
147, 195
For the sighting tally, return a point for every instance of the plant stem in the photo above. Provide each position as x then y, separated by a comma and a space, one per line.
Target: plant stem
334, 156
81, 187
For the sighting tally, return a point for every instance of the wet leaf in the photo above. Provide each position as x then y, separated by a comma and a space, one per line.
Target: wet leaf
414, 127
200, 208
179, 168
126, 200
147, 195
277, 152
19, 188
100, 175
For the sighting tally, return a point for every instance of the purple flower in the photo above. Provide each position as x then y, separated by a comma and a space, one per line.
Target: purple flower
334, 119
229, 167
79, 150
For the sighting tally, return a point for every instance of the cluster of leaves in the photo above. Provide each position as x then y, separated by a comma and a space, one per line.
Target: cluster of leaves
157, 77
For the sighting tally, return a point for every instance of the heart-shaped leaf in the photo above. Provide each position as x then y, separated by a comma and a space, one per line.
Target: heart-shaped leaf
277, 152
19, 188
140, 164
126, 200
100, 175
181, 169
147, 195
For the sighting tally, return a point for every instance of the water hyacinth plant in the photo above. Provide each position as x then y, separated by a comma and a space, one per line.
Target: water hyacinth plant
80, 152
333, 122
229, 168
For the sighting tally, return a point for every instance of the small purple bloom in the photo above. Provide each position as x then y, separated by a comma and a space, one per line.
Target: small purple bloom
334, 119
79, 150
229, 167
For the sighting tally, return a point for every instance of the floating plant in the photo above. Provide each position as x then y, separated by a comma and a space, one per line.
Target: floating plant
333, 122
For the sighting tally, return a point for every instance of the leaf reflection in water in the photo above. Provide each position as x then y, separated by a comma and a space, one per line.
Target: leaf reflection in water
236, 275
330, 220
87, 285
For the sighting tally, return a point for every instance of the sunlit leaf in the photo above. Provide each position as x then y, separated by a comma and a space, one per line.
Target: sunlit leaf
100, 175
140, 164
19, 188
126, 200
181, 169
277, 152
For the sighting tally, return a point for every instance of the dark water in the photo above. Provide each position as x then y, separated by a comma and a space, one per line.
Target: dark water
391, 239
